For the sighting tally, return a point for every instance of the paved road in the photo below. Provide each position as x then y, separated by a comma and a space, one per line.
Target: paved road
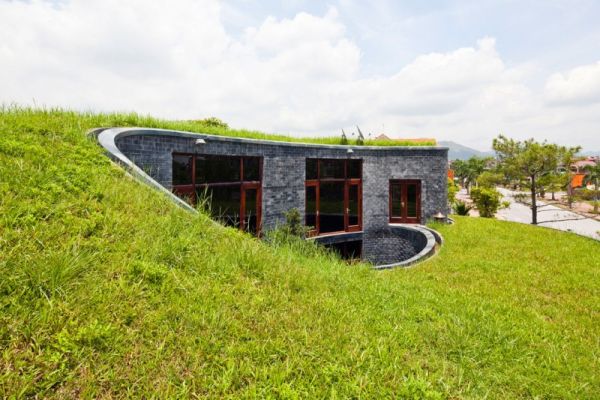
549, 216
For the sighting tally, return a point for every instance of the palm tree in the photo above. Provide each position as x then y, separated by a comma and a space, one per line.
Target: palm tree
592, 176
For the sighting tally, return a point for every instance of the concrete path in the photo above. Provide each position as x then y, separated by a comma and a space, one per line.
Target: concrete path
549, 216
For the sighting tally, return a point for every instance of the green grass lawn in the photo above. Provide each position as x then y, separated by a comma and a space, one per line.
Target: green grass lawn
107, 289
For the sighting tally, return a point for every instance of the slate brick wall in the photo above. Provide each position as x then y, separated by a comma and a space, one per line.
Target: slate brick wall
284, 175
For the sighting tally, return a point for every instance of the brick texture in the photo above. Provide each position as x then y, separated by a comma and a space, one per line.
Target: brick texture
284, 175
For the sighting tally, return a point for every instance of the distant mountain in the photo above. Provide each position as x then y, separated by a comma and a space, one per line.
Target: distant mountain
459, 152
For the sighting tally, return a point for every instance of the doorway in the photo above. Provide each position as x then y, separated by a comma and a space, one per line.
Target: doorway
405, 201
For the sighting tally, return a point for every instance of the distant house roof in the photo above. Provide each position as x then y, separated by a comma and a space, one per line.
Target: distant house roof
382, 137
581, 164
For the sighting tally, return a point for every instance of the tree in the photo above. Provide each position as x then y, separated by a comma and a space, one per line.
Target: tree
553, 182
468, 171
452, 190
489, 179
593, 177
530, 159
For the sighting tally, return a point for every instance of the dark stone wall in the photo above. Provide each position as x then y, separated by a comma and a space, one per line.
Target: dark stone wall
284, 175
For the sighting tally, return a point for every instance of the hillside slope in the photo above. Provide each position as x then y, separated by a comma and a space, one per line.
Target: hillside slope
457, 151
109, 290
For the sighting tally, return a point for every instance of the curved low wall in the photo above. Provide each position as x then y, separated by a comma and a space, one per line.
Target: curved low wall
423, 243
398, 245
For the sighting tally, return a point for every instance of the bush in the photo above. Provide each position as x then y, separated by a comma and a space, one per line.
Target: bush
293, 223
487, 201
462, 208
452, 190
213, 122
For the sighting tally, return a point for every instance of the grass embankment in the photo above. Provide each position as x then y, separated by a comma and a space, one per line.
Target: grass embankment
108, 289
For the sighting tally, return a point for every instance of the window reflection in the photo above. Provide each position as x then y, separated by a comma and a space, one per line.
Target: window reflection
228, 186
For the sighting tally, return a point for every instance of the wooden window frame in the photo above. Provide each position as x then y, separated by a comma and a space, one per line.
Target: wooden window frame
404, 218
347, 183
183, 190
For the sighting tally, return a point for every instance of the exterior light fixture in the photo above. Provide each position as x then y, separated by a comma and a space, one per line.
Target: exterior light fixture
439, 217
200, 141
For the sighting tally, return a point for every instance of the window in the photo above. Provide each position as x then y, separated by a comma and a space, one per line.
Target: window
182, 170
405, 201
230, 186
333, 195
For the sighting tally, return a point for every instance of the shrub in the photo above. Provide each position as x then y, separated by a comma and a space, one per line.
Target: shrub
452, 190
462, 208
293, 223
213, 122
585, 194
487, 201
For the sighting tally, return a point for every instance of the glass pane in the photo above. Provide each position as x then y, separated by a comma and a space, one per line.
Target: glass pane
251, 169
211, 169
311, 206
332, 207
223, 202
353, 205
396, 194
354, 169
250, 211
331, 169
311, 168
182, 170
411, 200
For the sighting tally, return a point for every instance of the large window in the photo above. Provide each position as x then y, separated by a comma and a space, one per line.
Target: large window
405, 201
229, 186
333, 195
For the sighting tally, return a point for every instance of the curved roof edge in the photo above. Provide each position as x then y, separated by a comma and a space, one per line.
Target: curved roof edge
131, 131
107, 137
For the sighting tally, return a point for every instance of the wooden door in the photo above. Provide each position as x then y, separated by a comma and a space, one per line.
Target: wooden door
405, 201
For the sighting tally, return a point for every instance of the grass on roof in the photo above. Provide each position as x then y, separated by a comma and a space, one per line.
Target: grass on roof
199, 126
107, 289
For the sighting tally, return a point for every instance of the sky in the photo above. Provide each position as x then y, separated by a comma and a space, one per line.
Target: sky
452, 70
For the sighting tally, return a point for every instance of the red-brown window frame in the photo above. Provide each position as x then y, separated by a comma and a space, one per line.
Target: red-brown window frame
404, 219
347, 183
256, 184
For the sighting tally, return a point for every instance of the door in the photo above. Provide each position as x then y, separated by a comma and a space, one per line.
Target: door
405, 201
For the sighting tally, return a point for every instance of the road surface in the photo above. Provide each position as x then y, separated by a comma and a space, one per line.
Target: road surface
549, 216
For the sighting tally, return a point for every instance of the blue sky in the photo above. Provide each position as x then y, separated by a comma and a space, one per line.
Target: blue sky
454, 70
554, 34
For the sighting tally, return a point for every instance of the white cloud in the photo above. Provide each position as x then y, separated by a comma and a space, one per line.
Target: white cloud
299, 75
579, 86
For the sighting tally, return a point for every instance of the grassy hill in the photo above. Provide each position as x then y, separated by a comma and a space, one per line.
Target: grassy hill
109, 290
